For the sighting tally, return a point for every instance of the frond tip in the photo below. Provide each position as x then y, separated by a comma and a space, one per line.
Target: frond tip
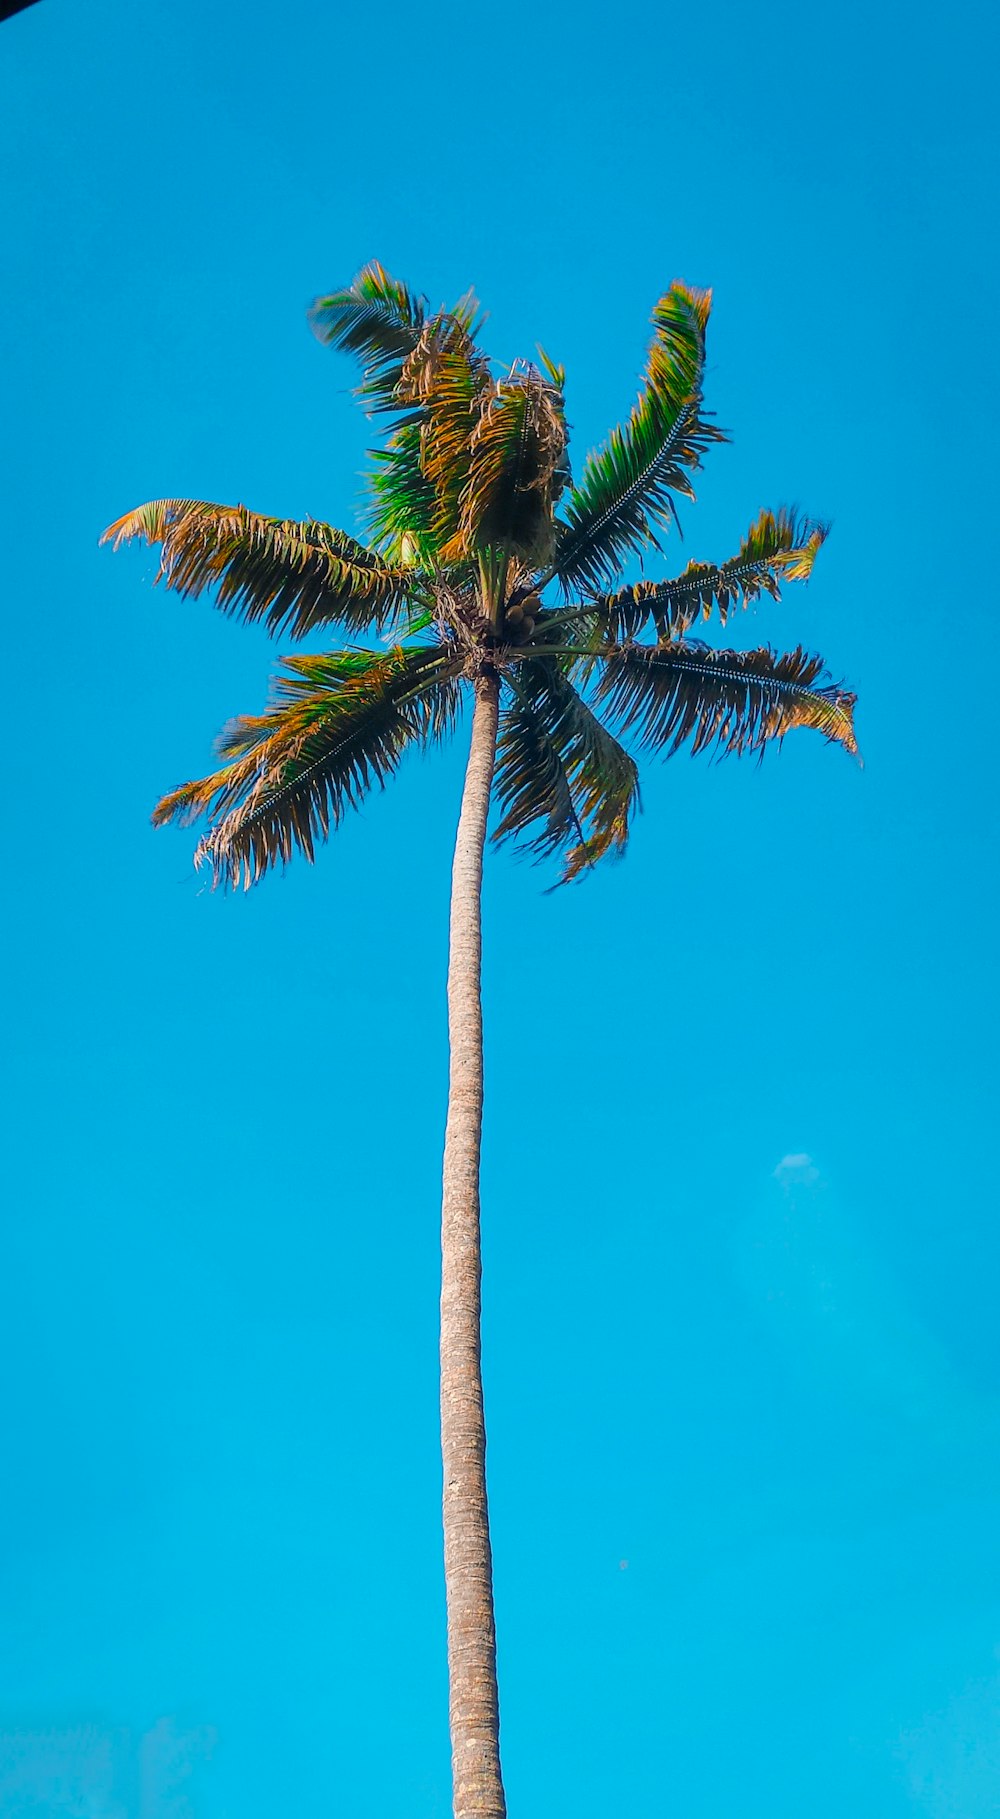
734, 701
338, 727
292, 575
627, 487
379, 320
779, 546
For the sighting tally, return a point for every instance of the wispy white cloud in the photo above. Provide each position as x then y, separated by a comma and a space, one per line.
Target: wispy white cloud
797, 1170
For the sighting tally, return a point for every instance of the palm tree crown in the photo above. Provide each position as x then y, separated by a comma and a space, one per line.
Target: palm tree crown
485, 558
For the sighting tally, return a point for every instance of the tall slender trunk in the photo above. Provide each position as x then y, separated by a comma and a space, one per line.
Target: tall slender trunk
468, 1566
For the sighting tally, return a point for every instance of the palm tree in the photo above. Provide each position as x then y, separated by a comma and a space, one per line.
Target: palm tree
487, 574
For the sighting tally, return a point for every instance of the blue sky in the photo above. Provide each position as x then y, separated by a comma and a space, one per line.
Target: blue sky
739, 1178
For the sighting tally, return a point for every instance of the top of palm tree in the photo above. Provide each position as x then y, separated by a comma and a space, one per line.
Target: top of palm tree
484, 557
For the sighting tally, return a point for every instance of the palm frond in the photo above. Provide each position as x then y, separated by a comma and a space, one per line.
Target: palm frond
401, 509
559, 767
292, 575
338, 726
553, 370
379, 320
736, 701
778, 546
627, 487
515, 460
445, 381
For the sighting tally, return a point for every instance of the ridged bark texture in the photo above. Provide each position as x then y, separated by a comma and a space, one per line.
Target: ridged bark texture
468, 1566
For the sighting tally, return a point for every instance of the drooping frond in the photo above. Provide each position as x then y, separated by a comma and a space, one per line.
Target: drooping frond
515, 469
445, 382
627, 487
560, 772
338, 726
736, 701
379, 320
294, 576
779, 546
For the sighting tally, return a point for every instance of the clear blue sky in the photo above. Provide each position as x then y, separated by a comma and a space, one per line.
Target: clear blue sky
740, 1179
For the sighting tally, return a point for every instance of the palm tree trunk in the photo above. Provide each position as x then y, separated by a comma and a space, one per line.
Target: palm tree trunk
468, 1567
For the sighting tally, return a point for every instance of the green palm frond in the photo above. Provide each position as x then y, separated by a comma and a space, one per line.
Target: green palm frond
736, 701
557, 766
779, 546
627, 487
554, 372
338, 727
292, 575
379, 320
516, 464
401, 513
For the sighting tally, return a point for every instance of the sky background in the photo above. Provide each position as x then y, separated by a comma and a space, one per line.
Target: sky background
740, 1200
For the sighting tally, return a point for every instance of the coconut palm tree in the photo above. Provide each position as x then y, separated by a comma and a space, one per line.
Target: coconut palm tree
488, 576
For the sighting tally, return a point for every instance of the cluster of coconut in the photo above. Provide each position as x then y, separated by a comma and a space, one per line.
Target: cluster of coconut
519, 618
